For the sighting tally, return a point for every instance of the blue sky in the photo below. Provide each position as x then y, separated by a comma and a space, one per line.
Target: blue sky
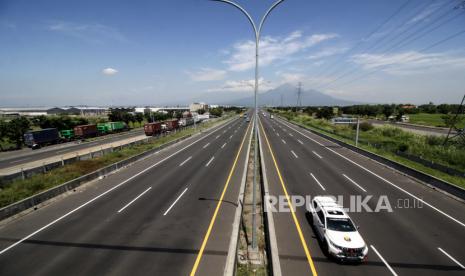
158, 52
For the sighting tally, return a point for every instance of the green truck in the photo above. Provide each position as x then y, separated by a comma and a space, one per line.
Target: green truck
111, 127
67, 134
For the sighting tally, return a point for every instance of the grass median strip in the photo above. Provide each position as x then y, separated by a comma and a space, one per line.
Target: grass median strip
20, 189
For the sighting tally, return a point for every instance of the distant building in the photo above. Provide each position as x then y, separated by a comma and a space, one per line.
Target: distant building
194, 107
408, 106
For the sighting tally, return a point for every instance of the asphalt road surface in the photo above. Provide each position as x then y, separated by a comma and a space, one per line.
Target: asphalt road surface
423, 235
151, 218
424, 130
14, 158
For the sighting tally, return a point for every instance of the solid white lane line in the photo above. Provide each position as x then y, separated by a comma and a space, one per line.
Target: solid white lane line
132, 201
223, 145
206, 145
185, 161
300, 142
108, 191
210, 161
283, 141
319, 156
384, 261
175, 202
452, 258
355, 183
318, 182
295, 155
382, 178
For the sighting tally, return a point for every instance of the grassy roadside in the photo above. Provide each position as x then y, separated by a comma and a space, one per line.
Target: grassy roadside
393, 140
21, 189
434, 120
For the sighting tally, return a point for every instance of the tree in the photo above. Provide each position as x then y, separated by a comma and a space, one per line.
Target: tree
201, 111
3, 128
16, 129
325, 113
127, 117
388, 110
216, 112
139, 118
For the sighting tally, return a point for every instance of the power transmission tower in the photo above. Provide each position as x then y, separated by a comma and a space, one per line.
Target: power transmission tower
299, 95
460, 132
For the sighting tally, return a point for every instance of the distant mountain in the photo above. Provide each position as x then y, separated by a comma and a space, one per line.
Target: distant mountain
288, 93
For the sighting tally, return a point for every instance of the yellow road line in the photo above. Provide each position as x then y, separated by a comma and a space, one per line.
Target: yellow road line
218, 206
296, 222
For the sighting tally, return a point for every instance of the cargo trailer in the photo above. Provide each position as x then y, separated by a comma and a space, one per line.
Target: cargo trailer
111, 127
67, 134
85, 131
152, 129
35, 139
171, 124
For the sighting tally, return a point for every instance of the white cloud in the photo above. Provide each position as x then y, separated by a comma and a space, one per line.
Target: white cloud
411, 62
207, 74
327, 53
109, 71
95, 33
243, 86
272, 49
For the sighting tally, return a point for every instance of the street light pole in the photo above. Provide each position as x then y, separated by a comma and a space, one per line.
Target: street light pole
257, 32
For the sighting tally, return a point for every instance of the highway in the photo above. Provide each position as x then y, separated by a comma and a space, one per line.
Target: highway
15, 158
170, 214
426, 240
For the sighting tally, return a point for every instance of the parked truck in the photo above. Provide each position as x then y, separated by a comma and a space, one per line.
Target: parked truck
152, 129
111, 127
36, 139
171, 124
67, 134
85, 131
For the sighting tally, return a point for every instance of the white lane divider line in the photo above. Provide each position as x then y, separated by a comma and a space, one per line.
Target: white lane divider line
224, 131
175, 202
277, 134
218, 136
382, 178
300, 142
230, 137
290, 134
295, 155
132, 201
384, 261
318, 182
20, 160
206, 145
452, 258
224, 145
283, 141
185, 161
355, 183
210, 161
319, 156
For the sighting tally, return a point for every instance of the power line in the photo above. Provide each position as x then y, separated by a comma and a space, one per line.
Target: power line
396, 46
366, 37
408, 56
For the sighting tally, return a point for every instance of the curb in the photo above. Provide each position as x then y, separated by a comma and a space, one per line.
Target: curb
269, 222
231, 259
35, 200
440, 185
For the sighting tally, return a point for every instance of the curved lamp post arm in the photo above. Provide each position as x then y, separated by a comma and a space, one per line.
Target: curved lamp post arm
266, 15
255, 30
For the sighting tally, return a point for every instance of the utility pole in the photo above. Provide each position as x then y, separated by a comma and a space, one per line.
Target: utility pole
358, 131
299, 95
